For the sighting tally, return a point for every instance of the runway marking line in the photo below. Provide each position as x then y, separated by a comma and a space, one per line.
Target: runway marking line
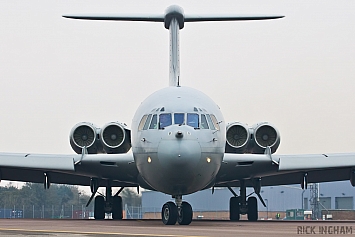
96, 233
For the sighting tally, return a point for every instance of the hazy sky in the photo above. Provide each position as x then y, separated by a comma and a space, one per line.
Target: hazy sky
297, 72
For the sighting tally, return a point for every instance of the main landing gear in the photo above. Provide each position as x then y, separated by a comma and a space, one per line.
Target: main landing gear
240, 205
107, 203
180, 212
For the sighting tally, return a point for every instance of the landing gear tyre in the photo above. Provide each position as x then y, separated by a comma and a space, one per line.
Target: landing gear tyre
234, 209
185, 214
169, 213
117, 208
252, 209
99, 209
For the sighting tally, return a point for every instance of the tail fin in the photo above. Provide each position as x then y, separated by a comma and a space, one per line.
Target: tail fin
174, 19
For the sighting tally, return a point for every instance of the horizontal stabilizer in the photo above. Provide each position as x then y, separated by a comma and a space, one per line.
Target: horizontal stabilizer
161, 17
154, 18
197, 18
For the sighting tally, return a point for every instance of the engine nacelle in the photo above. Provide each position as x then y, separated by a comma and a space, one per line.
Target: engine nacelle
115, 138
237, 138
85, 135
243, 139
264, 135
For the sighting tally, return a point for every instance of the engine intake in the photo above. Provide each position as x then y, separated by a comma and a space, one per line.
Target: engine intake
85, 135
238, 137
115, 138
243, 139
265, 135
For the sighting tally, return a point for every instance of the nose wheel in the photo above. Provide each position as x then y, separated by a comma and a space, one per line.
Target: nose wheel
185, 214
180, 212
169, 213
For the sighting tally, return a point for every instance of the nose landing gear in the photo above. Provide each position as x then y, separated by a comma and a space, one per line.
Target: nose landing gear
180, 212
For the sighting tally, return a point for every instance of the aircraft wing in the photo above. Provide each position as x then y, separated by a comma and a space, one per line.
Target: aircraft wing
69, 169
285, 169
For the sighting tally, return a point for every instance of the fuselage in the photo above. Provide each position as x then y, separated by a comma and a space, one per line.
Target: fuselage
178, 140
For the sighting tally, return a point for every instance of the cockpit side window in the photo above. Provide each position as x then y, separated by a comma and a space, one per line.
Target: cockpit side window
204, 124
192, 120
164, 120
179, 118
154, 123
146, 125
142, 122
215, 122
210, 122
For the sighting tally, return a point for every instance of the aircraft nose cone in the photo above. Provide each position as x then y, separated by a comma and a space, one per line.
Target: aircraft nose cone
179, 164
179, 159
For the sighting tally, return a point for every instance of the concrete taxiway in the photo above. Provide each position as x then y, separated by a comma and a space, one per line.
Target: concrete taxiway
43, 227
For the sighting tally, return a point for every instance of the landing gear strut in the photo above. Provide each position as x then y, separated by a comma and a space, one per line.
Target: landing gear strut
240, 205
180, 212
107, 204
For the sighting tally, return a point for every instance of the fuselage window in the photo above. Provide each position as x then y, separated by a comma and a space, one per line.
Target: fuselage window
179, 118
154, 123
164, 120
146, 125
192, 120
204, 124
215, 121
142, 122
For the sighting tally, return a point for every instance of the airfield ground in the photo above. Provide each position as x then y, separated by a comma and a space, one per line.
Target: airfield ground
43, 227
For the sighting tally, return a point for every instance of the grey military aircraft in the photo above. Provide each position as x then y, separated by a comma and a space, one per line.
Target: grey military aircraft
180, 144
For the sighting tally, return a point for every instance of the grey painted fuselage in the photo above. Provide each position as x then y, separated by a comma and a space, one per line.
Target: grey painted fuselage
178, 159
